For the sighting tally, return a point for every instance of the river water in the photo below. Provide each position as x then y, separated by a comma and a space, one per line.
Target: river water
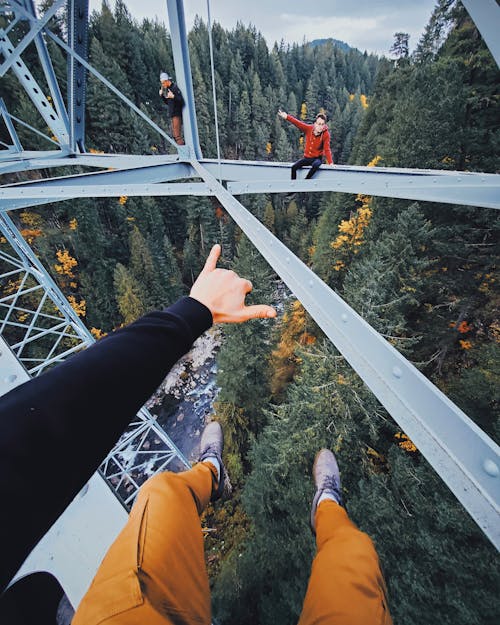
184, 402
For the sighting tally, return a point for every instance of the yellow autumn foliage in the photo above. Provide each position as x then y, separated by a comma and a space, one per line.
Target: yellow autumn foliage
405, 443
66, 263
97, 333
352, 230
374, 162
31, 219
30, 234
79, 307
284, 359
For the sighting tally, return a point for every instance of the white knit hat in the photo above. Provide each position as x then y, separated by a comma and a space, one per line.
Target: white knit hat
164, 76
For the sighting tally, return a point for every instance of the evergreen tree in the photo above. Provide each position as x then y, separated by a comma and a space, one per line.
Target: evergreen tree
242, 360
143, 270
384, 285
129, 294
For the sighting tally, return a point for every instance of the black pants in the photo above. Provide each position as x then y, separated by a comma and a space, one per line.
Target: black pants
312, 161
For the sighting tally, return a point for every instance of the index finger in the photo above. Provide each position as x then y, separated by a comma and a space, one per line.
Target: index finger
213, 257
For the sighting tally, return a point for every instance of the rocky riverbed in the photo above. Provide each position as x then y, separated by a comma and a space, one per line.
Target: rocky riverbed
184, 401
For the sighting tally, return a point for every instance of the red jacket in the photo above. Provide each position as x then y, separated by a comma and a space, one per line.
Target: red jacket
316, 146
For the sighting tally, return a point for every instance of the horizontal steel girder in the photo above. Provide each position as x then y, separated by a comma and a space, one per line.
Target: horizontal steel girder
471, 189
462, 188
117, 190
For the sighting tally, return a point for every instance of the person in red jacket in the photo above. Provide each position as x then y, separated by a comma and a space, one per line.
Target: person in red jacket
317, 138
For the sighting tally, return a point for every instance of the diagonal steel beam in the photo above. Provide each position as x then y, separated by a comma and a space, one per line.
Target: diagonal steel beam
29, 13
10, 126
35, 92
465, 458
486, 16
110, 86
36, 25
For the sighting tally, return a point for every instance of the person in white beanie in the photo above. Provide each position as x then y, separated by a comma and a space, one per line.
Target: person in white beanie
172, 96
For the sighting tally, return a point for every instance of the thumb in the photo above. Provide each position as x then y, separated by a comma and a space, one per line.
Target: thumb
213, 257
259, 311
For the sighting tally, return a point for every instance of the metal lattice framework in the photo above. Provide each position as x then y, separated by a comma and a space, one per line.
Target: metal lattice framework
41, 328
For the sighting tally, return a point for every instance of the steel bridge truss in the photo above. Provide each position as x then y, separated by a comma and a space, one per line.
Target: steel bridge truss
41, 328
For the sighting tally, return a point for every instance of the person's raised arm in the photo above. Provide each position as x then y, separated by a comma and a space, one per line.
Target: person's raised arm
223, 293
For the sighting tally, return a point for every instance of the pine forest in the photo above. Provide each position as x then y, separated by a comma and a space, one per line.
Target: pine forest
423, 274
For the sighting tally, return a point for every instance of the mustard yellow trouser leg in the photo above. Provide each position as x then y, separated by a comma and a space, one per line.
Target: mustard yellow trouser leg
154, 573
346, 586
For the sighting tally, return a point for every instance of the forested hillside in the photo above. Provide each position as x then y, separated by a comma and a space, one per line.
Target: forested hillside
422, 274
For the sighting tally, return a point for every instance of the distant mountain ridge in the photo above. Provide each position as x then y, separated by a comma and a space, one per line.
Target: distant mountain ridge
336, 42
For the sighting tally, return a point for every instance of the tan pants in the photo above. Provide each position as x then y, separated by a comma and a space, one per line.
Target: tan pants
176, 125
346, 586
154, 573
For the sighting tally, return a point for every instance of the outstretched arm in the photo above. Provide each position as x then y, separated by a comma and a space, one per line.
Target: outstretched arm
293, 120
57, 428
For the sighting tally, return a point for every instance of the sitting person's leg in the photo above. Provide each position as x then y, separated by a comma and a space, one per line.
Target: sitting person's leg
155, 570
346, 586
302, 162
315, 165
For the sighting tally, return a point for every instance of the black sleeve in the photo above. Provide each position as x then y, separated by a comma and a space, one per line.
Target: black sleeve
57, 428
177, 96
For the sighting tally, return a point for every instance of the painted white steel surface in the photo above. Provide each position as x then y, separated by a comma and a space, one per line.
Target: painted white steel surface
74, 546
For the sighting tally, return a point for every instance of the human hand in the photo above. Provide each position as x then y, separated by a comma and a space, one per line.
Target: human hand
160, 92
282, 114
223, 292
170, 95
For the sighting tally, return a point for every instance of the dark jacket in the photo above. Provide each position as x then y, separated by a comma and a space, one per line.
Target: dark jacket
176, 103
56, 429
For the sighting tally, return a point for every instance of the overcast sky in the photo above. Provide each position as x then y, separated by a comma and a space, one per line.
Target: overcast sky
364, 24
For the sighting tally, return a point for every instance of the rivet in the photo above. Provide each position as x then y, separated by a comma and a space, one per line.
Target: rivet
311, 283
491, 467
396, 372
344, 317
10, 378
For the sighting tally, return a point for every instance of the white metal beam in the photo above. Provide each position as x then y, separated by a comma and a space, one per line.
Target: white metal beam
465, 458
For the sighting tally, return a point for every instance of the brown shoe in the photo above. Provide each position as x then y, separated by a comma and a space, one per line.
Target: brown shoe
212, 444
326, 479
